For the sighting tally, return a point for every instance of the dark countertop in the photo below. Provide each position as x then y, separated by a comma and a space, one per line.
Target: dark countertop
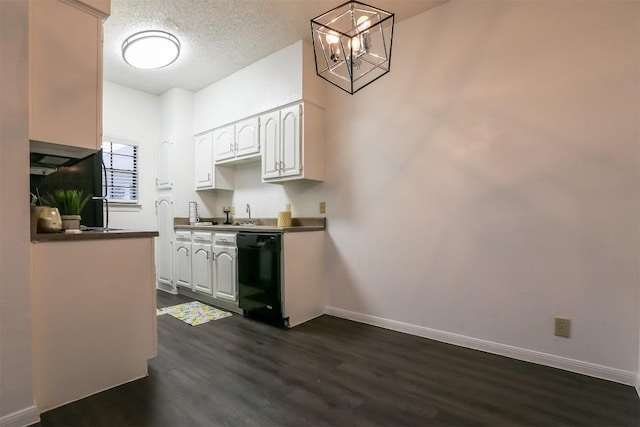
92, 235
257, 228
266, 225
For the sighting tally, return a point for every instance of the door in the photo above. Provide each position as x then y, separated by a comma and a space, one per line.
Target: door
247, 137
224, 143
270, 142
291, 132
163, 248
163, 177
225, 274
183, 264
201, 268
203, 162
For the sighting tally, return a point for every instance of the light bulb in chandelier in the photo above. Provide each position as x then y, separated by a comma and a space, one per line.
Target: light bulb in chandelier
354, 44
332, 40
363, 23
332, 37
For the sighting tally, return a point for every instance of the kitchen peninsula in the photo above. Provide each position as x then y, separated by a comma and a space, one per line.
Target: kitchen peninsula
94, 317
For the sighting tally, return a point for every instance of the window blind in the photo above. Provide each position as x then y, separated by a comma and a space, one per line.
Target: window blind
121, 165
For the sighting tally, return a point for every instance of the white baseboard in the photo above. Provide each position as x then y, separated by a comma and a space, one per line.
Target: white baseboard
22, 418
578, 366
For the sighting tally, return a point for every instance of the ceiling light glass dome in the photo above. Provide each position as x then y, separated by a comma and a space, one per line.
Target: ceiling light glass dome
150, 49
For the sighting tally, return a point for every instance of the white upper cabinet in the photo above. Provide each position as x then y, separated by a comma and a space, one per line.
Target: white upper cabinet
293, 143
270, 140
207, 175
165, 165
65, 73
237, 142
224, 143
290, 140
248, 137
203, 166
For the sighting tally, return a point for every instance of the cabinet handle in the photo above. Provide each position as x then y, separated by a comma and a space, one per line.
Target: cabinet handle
208, 177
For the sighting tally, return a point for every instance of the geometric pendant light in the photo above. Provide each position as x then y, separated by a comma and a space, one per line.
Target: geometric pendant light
352, 45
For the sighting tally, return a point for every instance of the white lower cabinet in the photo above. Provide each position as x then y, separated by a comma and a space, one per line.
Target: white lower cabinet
182, 259
225, 283
201, 266
206, 262
202, 262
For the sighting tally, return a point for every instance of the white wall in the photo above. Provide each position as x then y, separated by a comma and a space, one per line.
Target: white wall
273, 81
176, 122
134, 115
17, 407
283, 77
267, 200
496, 168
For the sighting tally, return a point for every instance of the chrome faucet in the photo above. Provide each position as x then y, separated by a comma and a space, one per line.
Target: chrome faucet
106, 203
249, 211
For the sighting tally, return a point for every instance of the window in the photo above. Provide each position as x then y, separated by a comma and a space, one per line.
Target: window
121, 164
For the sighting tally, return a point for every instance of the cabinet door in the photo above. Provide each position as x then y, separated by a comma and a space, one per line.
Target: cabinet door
225, 274
270, 142
203, 162
163, 243
290, 133
247, 137
65, 75
201, 268
224, 143
183, 264
165, 160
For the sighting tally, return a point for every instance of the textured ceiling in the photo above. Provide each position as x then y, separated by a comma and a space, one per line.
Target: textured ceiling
218, 37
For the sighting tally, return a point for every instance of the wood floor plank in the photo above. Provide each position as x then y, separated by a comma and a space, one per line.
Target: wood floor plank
333, 372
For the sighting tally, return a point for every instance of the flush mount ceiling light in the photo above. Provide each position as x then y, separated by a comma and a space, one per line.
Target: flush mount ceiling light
150, 49
352, 45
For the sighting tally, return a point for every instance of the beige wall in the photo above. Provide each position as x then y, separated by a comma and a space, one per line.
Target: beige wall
490, 181
16, 390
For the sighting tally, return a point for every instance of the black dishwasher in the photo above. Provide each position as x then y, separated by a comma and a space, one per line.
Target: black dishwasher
259, 276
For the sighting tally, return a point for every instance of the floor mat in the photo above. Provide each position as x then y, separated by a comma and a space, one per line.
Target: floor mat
194, 313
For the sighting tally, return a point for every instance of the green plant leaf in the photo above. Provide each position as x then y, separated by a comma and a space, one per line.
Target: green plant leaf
68, 202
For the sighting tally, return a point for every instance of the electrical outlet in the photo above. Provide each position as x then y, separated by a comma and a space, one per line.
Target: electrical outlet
323, 208
233, 210
563, 327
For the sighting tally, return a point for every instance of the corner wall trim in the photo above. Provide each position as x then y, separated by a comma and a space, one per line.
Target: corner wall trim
21, 418
572, 365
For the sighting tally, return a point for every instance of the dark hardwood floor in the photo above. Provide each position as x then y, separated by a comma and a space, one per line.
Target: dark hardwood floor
333, 372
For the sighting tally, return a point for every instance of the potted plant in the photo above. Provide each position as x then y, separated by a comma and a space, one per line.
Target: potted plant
70, 203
